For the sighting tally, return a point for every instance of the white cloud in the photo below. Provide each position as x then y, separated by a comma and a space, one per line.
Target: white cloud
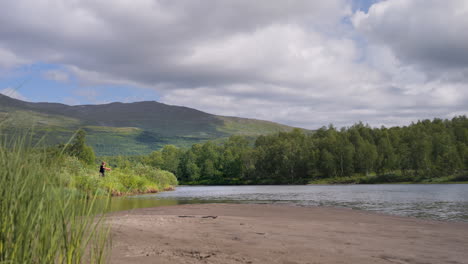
429, 33
294, 62
13, 93
9, 59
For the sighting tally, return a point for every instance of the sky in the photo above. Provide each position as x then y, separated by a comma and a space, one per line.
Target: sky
298, 62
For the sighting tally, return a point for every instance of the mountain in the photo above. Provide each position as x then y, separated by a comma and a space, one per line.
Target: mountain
126, 128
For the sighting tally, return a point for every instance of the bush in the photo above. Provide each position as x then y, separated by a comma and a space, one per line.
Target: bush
386, 178
164, 179
131, 179
461, 176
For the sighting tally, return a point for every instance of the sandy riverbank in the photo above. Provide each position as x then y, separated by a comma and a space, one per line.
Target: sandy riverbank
242, 233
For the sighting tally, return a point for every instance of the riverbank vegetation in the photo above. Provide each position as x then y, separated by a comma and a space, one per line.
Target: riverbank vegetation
79, 166
53, 201
41, 220
426, 151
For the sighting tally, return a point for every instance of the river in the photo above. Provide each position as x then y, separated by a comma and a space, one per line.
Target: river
431, 201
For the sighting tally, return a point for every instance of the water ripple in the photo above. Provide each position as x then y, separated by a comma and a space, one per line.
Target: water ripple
435, 201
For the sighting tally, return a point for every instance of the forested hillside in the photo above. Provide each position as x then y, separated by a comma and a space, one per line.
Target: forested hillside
126, 128
426, 151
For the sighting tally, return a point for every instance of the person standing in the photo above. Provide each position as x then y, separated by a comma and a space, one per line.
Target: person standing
103, 169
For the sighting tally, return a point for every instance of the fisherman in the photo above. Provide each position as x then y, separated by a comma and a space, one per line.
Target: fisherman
103, 169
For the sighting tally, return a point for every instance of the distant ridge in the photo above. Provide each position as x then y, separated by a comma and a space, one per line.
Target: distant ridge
128, 128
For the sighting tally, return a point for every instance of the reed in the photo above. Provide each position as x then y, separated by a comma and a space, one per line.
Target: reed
41, 219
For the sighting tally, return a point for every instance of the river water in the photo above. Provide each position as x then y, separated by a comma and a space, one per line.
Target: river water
431, 201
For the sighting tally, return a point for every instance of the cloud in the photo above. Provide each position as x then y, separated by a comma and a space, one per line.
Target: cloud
300, 62
143, 42
428, 33
56, 75
13, 93
9, 59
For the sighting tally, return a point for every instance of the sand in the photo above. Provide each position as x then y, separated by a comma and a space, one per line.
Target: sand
247, 233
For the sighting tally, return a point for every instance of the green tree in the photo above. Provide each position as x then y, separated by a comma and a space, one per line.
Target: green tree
155, 159
170, 156
188, 169
420, 151
427, 148
79, 149
208, 161
328, 163
344, 155
386, 157
234, 157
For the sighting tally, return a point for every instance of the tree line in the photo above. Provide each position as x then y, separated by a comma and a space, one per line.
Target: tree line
424, 150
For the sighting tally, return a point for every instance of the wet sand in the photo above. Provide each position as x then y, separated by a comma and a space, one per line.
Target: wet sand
247, 233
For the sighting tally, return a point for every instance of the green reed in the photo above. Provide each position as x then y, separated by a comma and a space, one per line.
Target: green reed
41, 219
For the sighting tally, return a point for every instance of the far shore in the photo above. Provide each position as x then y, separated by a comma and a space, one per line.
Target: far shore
252, 233
388, 183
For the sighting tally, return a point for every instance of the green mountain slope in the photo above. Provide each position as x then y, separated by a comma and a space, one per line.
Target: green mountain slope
126, 128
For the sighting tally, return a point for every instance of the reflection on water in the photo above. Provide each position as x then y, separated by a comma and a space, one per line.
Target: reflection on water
127, 203
436, 201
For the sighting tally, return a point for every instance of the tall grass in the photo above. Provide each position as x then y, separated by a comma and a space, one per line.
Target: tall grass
41, 219
134, 178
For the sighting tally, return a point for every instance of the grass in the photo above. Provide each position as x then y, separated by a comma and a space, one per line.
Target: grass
121, 130
41, 219
250, 127
125, 180
27, 119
